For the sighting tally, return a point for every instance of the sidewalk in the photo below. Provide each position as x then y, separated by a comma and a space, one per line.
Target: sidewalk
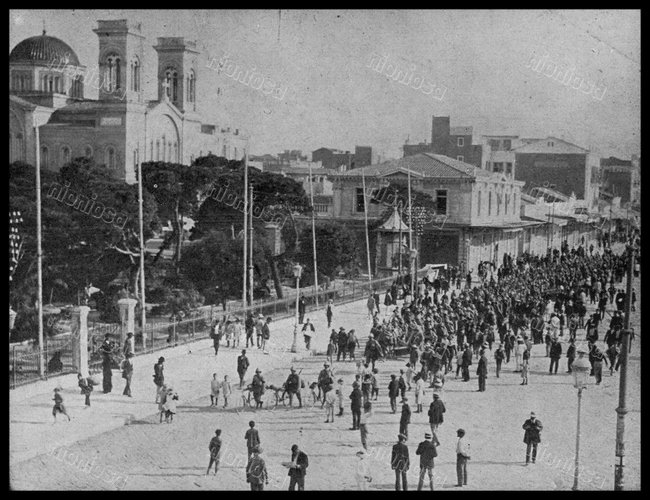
188, 368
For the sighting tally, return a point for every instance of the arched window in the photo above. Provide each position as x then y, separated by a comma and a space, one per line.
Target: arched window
113, 75
171, 78
223, 153
176, 159
45, 157
20, 146
65, 155
164, 148
169, 152
57, 85
157, 149
88, 151
191, 87
135, 75
109, 157
150, 150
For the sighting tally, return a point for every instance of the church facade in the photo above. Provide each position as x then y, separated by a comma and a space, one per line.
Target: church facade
121, 128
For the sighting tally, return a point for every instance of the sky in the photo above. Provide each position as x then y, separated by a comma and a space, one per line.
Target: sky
331, 97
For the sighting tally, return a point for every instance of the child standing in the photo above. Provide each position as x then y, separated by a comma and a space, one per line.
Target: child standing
375, 383
339, 394
215, 388
226, 389
59, 407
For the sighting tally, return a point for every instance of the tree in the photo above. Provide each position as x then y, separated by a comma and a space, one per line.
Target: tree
176, 188
336, 249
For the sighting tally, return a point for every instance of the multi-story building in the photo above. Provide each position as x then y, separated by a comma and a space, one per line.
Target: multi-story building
455, 142
571, 169
498, 153
621, 178
121, 128
336, 159
362, 156
477, 214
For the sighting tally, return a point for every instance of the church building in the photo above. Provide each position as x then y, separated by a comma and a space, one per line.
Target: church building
121, 127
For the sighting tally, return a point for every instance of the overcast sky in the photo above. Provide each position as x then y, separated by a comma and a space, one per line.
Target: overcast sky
334, 99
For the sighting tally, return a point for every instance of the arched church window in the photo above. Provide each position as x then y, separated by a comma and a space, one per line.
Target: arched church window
191, 87
171, 78
109, 157
135, 75
164, 148
113, 73
65, 155
45, 157
176, 152
88, 151
158, 150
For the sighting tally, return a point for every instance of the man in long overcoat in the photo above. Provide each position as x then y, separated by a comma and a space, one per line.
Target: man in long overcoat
533, 428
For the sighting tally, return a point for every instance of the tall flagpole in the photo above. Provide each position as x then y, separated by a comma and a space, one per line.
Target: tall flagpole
365, 216
250, 246
39, 256
245, 227
413, 277
313, 234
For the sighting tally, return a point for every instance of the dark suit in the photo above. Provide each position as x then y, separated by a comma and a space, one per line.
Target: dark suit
427, 451
400, 463
531, 437
297, 474
467, 361
482, 371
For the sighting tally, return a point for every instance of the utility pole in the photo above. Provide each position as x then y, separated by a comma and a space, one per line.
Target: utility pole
365, 216
39, 257
622, 389
250, 246
313, 232
244, 280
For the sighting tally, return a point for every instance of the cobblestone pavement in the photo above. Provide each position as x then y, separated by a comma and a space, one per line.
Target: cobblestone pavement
119, 444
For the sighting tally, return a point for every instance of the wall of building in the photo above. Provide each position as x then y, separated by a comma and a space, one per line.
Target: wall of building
567, 171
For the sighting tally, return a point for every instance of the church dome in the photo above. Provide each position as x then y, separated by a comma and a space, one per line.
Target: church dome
43, 49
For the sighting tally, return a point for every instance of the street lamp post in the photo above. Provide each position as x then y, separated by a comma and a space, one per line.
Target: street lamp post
414, 254
580, 369
297, 271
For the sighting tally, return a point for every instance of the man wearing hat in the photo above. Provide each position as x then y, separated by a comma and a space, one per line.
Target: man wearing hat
362, 473
342, 342
292, 386
427, 451
462, 456
256, 473
298, 469
356, 398
242, 366
405, 418
482, 371
325, 381
307, 331
436, 411
259, 385
393, 392
400, 462
533, 427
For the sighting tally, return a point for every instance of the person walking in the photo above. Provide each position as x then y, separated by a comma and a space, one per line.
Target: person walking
356, 397
427, 451
127, 373
159, 377
215, 448
570, 355
298, 468
467, 361
353, 343
482, 371
226, 390
250, 330
325, 381
402, 384
215, 389
419, 392
371, 306
400, 463
129, 345
259, 326
292, 386
330, 402
393, 392
242, 367
106, 350
499, 356
405, 418
266, 333
308, 331
525, 368
462, 456
555, 354
86, 388
215, 335
612, 354
259, 386
342, 344
329, 312
256, 473
436, 411
331, 350
59, 407
252, 437
302, 305
363, 424
532, 428
598, 358
339, 396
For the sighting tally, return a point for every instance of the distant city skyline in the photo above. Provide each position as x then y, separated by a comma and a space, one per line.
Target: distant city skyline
329, 96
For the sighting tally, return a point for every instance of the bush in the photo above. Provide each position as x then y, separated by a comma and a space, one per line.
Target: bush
26, 325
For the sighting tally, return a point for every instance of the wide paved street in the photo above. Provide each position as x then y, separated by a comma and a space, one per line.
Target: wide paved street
119, 444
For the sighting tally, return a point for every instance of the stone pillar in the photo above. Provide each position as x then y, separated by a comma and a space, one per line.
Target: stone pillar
127, 318
79, 328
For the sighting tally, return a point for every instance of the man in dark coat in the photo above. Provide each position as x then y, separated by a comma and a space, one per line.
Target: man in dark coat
302, 305
482, 371
259, 386
214, 447
427, 451
375, 296
405, 418
298, 469
467, 361
556, 354
436, 410
356, 398
533, 427
292, 386
393, 392
242, 366
342, 341
106, 350
399, 462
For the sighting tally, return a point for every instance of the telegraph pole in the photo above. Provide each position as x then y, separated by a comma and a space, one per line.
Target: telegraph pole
313, 231
245, 229
39, 257
250, 246
622, 410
